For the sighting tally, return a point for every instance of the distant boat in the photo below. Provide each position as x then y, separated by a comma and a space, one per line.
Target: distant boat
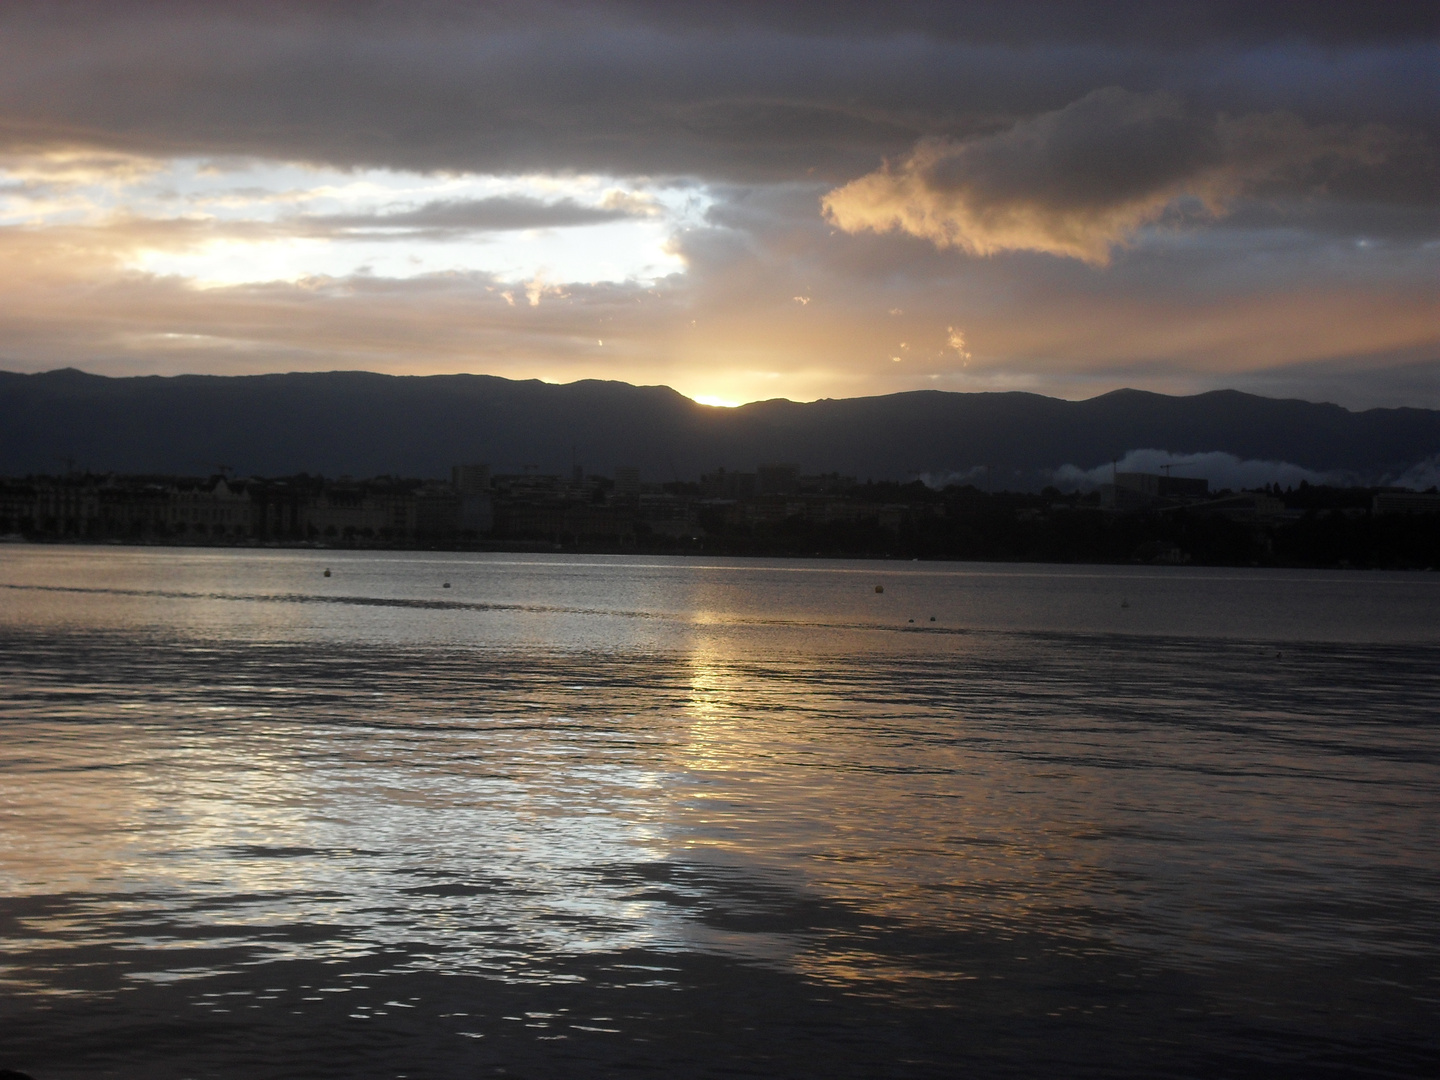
1124, 601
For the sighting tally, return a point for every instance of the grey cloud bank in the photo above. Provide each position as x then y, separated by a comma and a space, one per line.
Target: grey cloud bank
474, 215
741, 90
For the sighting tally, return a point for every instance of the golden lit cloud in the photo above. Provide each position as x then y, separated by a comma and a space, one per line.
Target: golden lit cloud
1082, 180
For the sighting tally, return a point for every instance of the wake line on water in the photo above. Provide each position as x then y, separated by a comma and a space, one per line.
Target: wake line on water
464, 605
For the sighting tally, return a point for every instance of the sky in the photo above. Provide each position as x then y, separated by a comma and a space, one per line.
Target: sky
742, 200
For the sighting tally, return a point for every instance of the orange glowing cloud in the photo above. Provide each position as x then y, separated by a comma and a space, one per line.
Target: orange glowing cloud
1082, 180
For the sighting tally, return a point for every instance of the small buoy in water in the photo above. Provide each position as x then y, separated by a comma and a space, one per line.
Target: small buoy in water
932, 618
1125, 602
446, 585
879, 588
912, 620
327, 571
1277, 656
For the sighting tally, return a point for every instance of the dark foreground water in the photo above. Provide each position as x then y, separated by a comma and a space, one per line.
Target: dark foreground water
651, 817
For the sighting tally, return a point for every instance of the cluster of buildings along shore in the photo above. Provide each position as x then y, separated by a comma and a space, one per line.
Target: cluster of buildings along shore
476, 506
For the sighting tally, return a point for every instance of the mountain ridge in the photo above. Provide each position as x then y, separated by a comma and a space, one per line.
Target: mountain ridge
368, 423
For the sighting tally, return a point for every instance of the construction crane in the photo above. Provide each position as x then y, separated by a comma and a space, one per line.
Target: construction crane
1166, 468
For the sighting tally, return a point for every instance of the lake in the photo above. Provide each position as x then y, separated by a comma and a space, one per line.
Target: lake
462, 815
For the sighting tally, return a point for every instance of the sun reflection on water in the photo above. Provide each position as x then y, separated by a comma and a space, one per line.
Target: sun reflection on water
772, 775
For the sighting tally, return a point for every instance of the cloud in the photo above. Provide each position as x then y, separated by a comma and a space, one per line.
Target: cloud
160, 145
1081, 180
1326, 320
1221, 469
1422, 476
458, 216
1228, 471
1175, 23
734, 91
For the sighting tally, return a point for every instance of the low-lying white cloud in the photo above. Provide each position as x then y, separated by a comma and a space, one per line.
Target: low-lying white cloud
1422, 476
1221, 469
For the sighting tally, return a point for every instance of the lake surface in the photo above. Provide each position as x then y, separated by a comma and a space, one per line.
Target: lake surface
609, 816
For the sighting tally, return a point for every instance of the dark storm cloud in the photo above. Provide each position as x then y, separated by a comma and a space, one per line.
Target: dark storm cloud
1184, 23
743, 90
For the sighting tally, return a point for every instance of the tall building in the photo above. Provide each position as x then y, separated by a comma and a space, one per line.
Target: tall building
627, 480
779, 479
470, 479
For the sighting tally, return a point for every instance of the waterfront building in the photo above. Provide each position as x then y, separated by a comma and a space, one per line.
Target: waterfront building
1405, 502
627, 481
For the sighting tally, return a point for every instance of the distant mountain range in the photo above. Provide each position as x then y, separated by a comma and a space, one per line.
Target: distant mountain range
365, 424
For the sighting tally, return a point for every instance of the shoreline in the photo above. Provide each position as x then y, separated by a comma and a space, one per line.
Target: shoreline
550, 548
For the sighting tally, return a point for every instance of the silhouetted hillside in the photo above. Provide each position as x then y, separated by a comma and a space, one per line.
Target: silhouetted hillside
367, 424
